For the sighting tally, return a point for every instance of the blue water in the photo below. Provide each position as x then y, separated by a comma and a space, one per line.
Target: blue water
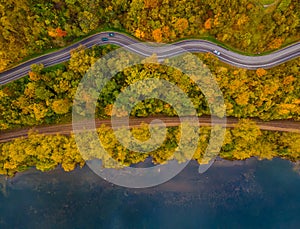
250, 194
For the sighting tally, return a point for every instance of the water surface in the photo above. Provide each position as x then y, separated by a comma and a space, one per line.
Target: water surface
249, 194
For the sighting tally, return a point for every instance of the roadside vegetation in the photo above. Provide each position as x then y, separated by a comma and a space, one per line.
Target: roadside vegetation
46, 95
267, 2
31, 27
47, 152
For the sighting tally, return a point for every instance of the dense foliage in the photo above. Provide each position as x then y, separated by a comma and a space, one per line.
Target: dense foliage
46, 96
31, 26
47, 152
242, 24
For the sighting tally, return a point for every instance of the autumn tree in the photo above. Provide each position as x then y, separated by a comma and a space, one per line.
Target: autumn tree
182, 24
151, 3
207, 24
58, 32
261, 72
157, 35
61, 106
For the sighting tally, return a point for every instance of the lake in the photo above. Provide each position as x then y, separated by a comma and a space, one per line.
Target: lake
238, 194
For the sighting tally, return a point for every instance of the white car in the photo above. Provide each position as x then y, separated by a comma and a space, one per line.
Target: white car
217, 52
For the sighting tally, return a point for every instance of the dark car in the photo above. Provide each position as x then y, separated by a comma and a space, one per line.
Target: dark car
104, 39
111, 34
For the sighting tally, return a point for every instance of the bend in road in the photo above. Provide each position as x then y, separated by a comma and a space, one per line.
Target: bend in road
162, 51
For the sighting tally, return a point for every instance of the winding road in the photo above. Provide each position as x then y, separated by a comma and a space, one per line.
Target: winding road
66, 129
164, 51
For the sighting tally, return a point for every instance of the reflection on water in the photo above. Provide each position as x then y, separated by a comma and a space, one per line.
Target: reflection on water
250, 194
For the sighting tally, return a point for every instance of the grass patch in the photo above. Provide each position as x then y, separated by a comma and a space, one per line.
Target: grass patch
266, 2
54, 67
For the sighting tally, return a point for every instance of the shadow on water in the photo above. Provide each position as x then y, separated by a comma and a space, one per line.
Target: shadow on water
239, 194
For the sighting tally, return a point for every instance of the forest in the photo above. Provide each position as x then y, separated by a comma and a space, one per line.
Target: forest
46, 95
47, 152
31, 27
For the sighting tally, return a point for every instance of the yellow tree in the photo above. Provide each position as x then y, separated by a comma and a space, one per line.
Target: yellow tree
39, 110
166, 32
276, 43
157, 35
261, 72
150, 3
61, 106
182, 24
207, 24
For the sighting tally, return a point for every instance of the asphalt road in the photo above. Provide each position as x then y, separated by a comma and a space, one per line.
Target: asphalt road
66, 129
165, 51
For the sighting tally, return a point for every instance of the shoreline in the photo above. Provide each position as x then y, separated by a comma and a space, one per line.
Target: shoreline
28, 178
218, 163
